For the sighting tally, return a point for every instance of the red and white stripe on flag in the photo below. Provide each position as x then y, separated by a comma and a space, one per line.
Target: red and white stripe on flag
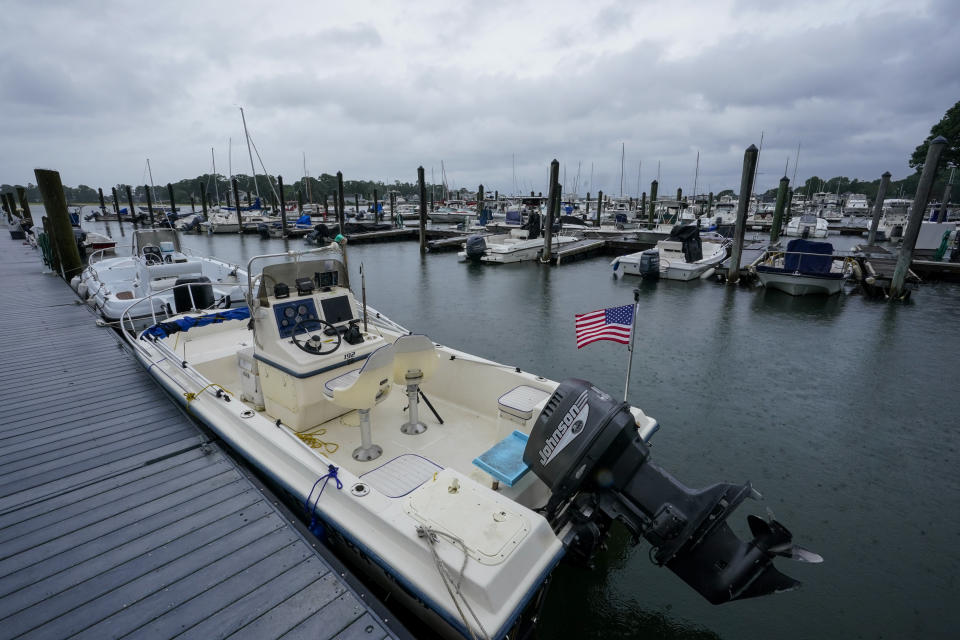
605, 324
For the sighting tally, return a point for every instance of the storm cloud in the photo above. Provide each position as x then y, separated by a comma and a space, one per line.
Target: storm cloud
493, 89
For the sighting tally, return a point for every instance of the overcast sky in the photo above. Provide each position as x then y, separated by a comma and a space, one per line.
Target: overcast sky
375, 89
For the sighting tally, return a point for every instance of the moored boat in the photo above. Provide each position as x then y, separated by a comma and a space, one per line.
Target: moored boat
463, 505
805, 268
682, 256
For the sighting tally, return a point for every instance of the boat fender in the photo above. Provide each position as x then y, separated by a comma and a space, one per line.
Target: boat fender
708, 273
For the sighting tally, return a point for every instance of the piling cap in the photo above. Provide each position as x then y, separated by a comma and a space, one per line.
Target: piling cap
752, 147
886, 174
939, 140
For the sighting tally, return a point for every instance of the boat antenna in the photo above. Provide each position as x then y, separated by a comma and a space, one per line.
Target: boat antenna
363, 295
756, 170
639, 170
152, 188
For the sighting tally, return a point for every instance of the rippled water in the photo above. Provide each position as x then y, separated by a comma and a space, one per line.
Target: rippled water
841, 411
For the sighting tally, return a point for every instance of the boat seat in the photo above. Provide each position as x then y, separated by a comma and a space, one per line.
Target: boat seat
520, 402
415, 360
504, 460
362, 389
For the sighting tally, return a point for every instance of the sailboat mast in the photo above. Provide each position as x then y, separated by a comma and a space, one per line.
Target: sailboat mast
306, 179
639, 172
252, 168
696, 175
216, 187
795, 163
623, 151
152, 188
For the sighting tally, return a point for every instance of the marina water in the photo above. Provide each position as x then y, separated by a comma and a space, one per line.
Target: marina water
842, 411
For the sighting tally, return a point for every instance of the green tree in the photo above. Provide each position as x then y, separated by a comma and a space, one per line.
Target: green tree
949, 128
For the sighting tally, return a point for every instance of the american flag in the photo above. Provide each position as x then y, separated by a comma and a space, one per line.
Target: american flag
606, 324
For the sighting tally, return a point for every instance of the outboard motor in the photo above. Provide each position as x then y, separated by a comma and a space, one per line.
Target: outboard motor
476, 247
650, 264
586, 448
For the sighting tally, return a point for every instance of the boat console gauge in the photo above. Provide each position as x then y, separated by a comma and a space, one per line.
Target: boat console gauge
290, 314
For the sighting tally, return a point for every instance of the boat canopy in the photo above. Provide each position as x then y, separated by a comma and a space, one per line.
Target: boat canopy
689, 236
806, 256
165, 329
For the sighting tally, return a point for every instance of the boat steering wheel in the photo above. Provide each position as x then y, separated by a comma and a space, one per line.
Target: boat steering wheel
314, 343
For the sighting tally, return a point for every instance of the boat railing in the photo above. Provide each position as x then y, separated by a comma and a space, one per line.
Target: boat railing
773, 256
98, 254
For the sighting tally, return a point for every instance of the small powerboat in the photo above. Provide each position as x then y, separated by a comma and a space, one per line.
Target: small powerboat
686, 255
805, 268
456, 483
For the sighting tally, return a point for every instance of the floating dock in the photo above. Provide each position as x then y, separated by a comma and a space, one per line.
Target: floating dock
119, 516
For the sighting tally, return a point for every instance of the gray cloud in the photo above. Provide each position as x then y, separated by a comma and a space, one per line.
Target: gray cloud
98, 89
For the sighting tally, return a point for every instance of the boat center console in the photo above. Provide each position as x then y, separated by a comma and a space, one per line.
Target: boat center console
308, 331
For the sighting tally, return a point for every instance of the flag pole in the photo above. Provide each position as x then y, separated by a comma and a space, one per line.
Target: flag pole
633, 332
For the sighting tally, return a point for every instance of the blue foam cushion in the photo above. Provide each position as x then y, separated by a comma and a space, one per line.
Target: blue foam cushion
504, 460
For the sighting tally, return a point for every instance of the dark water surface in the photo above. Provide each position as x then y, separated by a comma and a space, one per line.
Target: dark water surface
841, 411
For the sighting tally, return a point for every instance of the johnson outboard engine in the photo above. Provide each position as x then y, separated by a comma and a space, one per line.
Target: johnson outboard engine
476, 247
586, 448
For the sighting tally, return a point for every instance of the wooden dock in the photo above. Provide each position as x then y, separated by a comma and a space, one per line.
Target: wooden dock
579, 249
118, 516
750, 254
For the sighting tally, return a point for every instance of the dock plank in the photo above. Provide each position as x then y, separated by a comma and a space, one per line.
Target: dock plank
119, 516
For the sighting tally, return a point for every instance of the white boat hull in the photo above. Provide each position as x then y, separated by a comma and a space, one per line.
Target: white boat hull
798, 284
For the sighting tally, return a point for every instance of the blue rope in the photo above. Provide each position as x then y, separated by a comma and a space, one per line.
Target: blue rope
316, 527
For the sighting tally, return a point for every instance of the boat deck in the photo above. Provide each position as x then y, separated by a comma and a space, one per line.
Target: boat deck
119, 517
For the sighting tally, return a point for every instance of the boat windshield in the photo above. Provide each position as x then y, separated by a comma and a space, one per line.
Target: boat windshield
808, 219
324, 266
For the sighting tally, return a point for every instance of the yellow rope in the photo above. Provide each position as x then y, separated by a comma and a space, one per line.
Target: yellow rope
193, 396
312, 441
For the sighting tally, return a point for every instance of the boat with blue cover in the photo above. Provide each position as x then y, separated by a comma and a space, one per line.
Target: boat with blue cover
806, 267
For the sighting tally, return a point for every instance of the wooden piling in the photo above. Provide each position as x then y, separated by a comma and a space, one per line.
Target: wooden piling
283, 207
552, 199
341, 216
679, 195
376, 213
193, 204
920, 200
103, 211
423, 210
203, 200
173, 207
746, 188
249, 200
778, 210
878, 207
945, 201
131, 208
643, 205
393, 206
236, 200
480, 203
356, 204
326, 207
7, 207
55, 204
149, 206
653, 201
586, 214
596, 221
709, 204
28, 217
116, 210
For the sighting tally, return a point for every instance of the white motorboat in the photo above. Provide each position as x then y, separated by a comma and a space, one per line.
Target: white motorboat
463, 511
94, 241
856, 205
141, 283
686, 255
805, 268
807, 225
